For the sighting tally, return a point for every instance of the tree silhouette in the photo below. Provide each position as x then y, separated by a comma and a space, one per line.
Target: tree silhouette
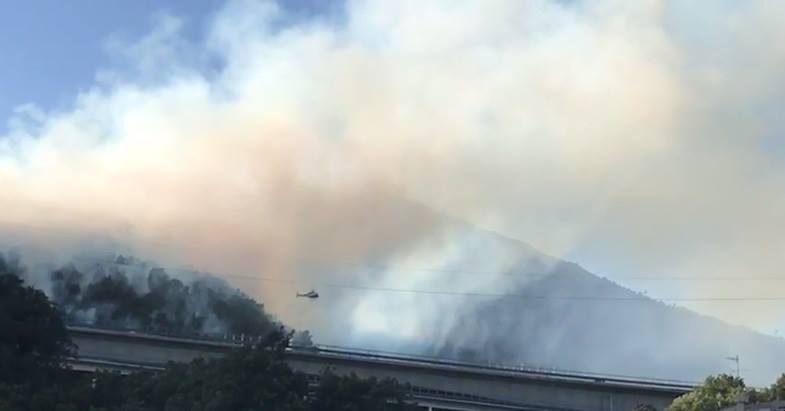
34, 341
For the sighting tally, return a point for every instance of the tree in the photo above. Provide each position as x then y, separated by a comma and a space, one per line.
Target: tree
351, 393
774, 392
717, 392
302, 339
250, 378
777, 390
34, 342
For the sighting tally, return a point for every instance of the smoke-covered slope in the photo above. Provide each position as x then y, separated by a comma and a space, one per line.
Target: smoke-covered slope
554, 314
621, 334
126, 293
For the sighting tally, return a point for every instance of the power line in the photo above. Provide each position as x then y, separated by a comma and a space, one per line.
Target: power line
432, 292
531, 296
475, 294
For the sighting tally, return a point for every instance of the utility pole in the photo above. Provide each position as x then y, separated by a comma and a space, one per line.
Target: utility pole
736, 360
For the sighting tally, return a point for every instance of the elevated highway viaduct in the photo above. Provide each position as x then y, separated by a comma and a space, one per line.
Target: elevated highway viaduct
435, 384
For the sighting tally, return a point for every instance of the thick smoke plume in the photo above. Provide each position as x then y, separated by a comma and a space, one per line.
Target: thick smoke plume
638, 137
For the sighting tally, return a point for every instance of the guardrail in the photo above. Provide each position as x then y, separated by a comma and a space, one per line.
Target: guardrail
222, 337
546, 371
512, 371
327, 350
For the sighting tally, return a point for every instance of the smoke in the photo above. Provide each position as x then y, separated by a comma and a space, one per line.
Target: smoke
124, 293
638, 137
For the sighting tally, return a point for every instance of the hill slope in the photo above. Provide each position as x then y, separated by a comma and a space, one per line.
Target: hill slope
557, 327
543, 321
635, 337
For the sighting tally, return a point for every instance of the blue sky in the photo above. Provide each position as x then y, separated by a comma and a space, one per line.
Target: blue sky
636, 139
49, 50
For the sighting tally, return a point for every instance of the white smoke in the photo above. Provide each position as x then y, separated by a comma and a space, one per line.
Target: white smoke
636, 135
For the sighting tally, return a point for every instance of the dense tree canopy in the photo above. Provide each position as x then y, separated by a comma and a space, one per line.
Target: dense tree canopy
34, 340
249, 379
350, 393
717, 392
774, 392
253, 378
724, 390
123, 295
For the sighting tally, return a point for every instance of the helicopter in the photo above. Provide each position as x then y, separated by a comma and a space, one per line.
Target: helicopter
310, 294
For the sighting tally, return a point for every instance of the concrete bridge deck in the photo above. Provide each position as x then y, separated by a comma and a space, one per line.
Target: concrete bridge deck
436, 383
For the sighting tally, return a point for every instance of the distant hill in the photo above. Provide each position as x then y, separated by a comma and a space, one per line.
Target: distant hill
646, 338
627, 334
554, 327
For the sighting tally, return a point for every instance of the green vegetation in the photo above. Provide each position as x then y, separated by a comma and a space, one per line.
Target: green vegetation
724, 390
350, 393
717, 392
34, 346
34, 340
